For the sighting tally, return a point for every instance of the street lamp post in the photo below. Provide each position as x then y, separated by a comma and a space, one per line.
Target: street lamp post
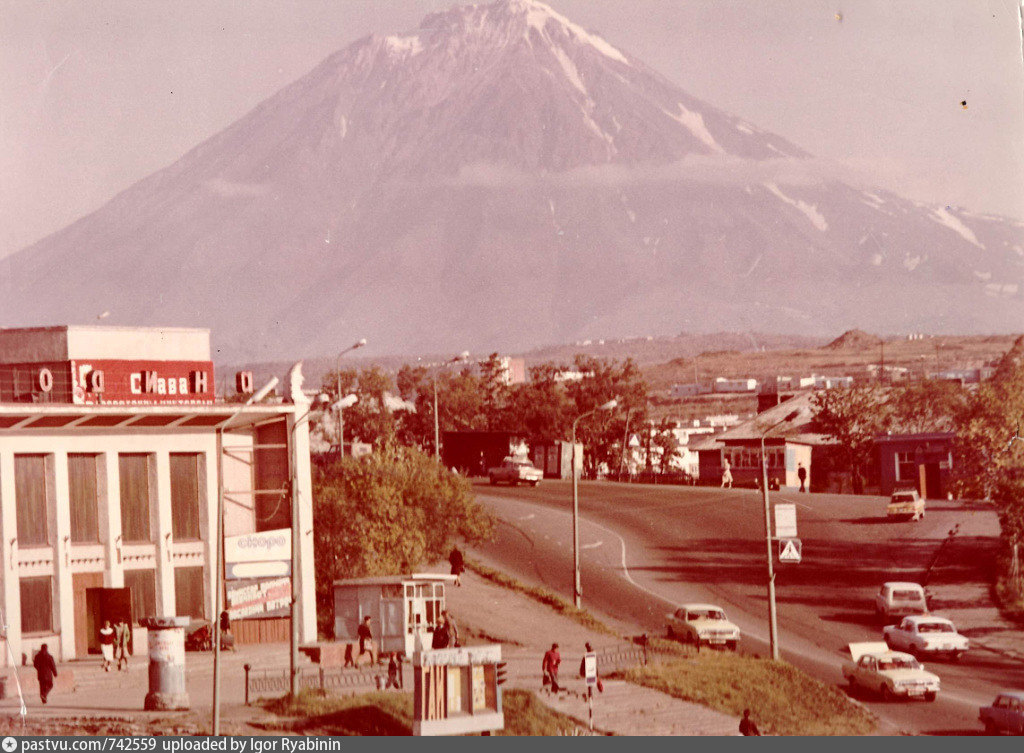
341, 425
219, 549
773, 625
461, 358
577, 591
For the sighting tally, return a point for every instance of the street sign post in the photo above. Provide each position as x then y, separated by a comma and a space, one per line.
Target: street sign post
790, 550
785, 521
590, 673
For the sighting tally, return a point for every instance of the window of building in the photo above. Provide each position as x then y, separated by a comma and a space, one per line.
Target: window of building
906, 466
30, 492
37, 605
188, 592
142, 584
273, 510
185, 496
135, 524
84, 497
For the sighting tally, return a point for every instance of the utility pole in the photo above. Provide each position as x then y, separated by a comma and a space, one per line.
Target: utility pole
773, 623
577, 590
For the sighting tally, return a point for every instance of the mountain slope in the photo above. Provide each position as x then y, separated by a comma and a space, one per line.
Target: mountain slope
500, 178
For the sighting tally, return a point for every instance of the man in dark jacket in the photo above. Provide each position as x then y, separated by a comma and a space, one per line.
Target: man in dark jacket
365, 639
46, 670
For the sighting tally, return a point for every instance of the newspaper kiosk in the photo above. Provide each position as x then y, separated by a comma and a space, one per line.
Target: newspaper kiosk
403, 608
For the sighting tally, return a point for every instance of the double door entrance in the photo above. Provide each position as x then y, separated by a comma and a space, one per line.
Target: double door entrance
94, 605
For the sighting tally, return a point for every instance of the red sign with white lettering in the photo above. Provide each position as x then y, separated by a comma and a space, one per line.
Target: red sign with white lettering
115, 382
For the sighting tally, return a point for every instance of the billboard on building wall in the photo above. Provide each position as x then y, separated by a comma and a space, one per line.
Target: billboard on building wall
263, 597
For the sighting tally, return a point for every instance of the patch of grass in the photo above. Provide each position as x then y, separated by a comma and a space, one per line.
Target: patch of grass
318, 712
784, 700
544, 596
321, 713
527, 716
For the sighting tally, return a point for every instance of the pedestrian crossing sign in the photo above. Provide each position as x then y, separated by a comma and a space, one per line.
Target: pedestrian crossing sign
789, 550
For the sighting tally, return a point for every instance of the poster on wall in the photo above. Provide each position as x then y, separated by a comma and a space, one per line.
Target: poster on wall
259, 597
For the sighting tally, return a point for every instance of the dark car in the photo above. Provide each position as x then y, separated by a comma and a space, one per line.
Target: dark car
1006, 714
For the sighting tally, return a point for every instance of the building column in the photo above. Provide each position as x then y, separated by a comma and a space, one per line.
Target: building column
303, 581
208, 501
165, 602
11, 590
110, 519
61, 515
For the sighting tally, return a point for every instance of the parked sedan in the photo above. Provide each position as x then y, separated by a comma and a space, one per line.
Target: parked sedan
703, 623
924, 635
1006, 714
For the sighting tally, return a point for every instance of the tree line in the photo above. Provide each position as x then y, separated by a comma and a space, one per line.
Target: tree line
478, 398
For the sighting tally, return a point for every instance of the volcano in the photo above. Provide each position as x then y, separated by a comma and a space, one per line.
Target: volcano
500, 178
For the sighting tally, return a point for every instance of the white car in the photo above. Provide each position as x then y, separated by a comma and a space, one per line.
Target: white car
703, 623
925, 635
516, 471
889, 673
906, 504
900, 599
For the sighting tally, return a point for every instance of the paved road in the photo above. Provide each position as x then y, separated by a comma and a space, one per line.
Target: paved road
645, 549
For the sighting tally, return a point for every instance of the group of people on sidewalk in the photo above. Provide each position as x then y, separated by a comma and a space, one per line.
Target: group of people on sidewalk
114, 645
549, 666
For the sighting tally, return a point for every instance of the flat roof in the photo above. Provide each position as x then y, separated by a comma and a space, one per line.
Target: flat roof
394, 580
34, 416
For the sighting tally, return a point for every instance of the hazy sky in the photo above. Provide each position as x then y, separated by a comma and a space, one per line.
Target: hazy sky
96, 95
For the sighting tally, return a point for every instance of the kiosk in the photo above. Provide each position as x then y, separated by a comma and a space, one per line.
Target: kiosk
403, 608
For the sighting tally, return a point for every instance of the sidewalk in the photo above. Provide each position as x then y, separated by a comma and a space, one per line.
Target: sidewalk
486, 613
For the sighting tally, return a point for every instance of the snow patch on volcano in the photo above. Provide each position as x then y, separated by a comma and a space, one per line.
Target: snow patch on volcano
810, 211
694, 121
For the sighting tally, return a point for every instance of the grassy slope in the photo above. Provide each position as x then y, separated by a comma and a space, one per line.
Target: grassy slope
542, 595
391, 714
784, 700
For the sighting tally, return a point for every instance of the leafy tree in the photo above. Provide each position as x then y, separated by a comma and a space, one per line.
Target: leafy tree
853, 416
387, 513
666, 445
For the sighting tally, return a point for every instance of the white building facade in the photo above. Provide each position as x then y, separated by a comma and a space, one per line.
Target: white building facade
109, 497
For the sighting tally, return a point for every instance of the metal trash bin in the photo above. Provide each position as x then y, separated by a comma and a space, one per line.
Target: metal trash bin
166, 664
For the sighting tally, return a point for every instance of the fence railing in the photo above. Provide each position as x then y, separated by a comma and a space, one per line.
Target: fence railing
624, 656
261, 683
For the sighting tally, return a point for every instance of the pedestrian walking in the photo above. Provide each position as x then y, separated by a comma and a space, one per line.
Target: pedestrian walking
365, 639
46, 670
549, 666
453, 629
748, 728
458, 563
801, 473
394, 674
583, 667
726, 475
442, 637
107, 645
122, 639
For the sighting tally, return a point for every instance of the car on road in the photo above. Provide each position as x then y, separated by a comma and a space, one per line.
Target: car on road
906, 504
900, 599
891, 674
702, 623
925, 635
1005, 714
515, 471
